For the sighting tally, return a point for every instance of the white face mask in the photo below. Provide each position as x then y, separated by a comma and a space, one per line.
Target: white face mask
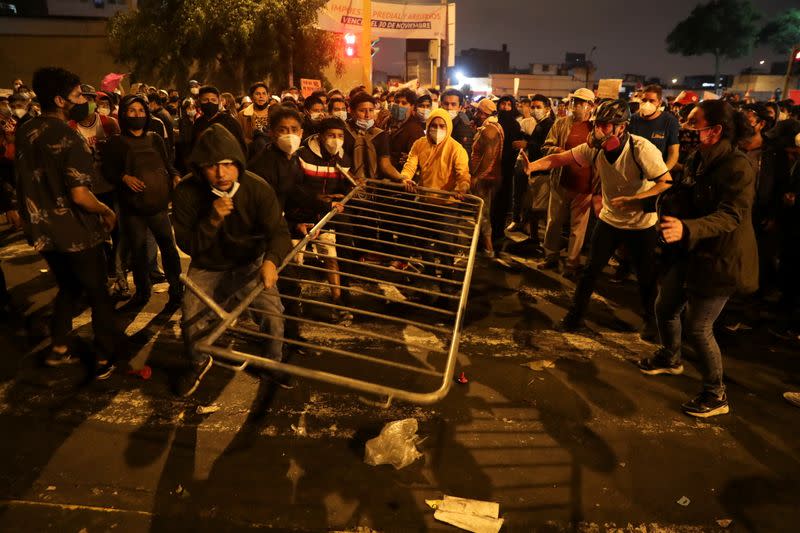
19, 112
104, 111
453, 113
424, 113
191, 113
289, 143
647, 108
316, 117
439, 136
195, 90
226, 194
340, 115
334, 145
539, 114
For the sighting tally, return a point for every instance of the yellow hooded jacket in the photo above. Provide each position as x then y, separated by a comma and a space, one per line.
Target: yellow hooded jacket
444, 166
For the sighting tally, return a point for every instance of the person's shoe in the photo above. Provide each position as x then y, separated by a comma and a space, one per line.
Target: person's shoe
157, 277
188, 382
138, 301
793, 398
621, 274
514, 226
281, 379
649, 332
60, 359
488, 254
104, 370
706, 404
571, 324
551, 263
175, 300
658, 364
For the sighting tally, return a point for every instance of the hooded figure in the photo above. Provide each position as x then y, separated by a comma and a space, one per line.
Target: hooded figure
443, 165
254, 228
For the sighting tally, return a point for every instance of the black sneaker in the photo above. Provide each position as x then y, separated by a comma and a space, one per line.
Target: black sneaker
706, 404
60, 359
103, 370
571, 324
653, 366
188, 382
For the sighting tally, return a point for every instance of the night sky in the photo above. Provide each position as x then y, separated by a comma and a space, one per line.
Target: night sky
631, 40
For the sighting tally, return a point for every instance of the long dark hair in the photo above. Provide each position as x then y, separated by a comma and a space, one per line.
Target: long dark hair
734, 125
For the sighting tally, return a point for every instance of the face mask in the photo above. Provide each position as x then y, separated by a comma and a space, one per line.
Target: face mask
105, 111
341, 115
647, 109
79, 112
365, 124
334, 145
226, 194
92, 108
424, 113
191, 113
316, 117
19, 112
609, 142
399, 113
439, 135
136, 123
289, 143
174, 99
539, 114
209, 109
453, 113
689, 139
195, 90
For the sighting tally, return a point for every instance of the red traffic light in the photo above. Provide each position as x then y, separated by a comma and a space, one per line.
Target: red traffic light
350, 45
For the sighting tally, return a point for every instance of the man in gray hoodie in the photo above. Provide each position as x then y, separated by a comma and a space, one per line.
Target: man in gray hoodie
229, 221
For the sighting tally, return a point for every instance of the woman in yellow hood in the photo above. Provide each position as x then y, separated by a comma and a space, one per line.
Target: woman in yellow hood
442, 161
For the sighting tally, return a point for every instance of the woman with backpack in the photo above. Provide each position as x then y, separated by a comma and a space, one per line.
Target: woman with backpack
137, 161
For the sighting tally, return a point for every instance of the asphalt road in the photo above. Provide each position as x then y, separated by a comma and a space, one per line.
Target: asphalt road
579, 440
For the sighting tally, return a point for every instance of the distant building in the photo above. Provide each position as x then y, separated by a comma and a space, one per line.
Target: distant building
763, 86
479, 63
706, 82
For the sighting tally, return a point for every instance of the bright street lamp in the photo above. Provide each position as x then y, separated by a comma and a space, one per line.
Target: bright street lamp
674, 80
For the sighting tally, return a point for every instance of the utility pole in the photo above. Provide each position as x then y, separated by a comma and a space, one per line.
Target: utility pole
366, 44
795, 53
444, 50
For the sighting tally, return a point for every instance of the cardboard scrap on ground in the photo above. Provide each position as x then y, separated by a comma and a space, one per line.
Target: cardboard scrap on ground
538, 366
470, 515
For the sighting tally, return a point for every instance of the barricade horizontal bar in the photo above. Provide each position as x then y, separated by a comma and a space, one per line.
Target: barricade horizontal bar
337, 351
348, 329
384, 254
368, 313
406, 224
392, 221
404, 200
376, 280
427, 212
392, 243
417, 237
380, 267
369, 293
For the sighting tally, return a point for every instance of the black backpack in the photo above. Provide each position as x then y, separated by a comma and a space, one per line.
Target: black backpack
144, 161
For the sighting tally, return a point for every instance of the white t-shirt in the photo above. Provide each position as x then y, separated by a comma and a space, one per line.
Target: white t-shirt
624, 178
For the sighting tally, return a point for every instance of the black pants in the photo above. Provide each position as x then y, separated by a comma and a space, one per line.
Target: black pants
136, 228
641, 245
501, 204
77, 273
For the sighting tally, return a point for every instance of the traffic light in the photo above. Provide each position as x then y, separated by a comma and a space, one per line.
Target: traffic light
350, 45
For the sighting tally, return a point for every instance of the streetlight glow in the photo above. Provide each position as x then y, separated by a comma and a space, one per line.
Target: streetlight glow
674, 80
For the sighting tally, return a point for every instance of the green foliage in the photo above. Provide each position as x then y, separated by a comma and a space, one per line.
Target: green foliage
232, 42
724, 28
783, 32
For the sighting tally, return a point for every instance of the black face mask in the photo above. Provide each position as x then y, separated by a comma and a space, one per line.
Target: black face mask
78, 112
259, 107
136, 123
209, 109
174, 99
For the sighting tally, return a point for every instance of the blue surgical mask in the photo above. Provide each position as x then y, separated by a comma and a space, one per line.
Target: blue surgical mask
399, 113
424, 113
365, 124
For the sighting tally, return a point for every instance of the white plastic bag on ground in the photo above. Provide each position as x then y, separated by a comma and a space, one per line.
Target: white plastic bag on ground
471, 515
396, 445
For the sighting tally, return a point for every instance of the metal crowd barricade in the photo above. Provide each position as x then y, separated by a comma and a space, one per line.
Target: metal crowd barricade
405, 261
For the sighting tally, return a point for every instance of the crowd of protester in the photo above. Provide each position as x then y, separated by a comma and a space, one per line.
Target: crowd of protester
697, 199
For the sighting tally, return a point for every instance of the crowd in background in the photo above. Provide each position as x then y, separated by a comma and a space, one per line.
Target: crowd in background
698, 200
